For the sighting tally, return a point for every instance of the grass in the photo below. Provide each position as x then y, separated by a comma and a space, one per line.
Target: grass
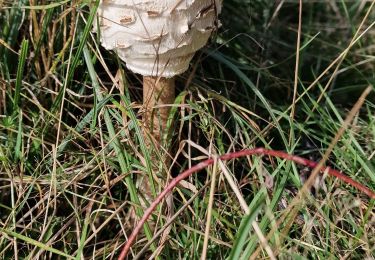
71, 142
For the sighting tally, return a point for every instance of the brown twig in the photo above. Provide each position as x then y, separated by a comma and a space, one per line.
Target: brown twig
243, 153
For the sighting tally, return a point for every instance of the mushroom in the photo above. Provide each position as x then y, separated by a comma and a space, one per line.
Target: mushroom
157, 39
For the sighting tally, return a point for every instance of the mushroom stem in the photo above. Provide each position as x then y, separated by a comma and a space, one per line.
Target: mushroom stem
158, 95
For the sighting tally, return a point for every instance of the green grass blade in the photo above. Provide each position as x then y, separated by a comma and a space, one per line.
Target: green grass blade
20, 71
17, 149
83, 234
35, 243
78, 54
45, 7
245, 227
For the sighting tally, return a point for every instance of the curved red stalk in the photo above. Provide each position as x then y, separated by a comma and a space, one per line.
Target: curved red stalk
229, 156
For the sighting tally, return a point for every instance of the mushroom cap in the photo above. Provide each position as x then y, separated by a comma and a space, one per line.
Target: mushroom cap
157, 37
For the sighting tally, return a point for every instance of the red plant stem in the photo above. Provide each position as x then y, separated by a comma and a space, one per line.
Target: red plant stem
229, 156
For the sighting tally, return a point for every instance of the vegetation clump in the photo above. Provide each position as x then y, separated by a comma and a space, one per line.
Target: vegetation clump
274, 75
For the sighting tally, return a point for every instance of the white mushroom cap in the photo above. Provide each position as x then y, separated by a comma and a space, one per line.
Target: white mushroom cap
157, 37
